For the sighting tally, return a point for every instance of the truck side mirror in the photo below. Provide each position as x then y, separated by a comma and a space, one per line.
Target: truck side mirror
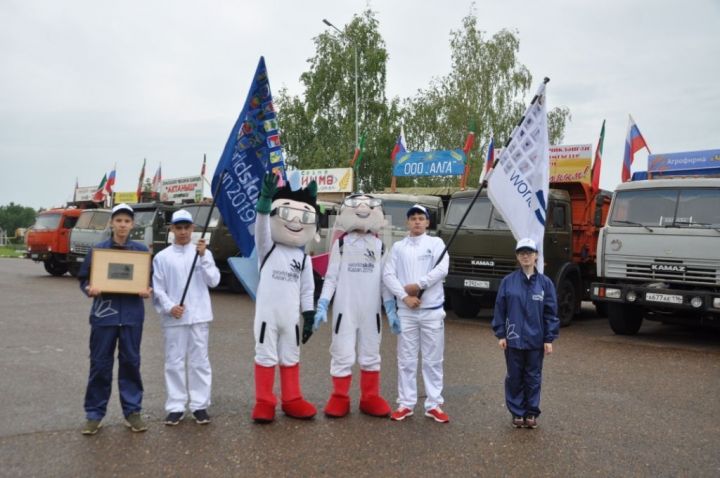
599, 202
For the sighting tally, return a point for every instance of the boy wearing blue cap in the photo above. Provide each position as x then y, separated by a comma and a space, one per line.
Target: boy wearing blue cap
419, 322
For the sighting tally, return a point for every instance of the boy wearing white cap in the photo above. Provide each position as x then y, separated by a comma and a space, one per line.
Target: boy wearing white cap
525, 322
411, 268
116, 321
186, 327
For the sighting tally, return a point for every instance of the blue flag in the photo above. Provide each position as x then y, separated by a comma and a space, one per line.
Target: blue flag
252, 149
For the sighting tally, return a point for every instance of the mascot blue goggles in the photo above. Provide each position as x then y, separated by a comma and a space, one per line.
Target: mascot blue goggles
356, 201
289, 214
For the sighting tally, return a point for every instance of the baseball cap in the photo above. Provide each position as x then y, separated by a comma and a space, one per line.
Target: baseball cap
124, 208
181, 215
417, 208
526, 244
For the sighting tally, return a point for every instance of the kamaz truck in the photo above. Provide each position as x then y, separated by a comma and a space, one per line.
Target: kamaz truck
659, 254
48, 240
483, 251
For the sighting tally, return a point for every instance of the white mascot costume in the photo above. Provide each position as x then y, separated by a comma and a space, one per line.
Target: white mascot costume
354, 275
286, 221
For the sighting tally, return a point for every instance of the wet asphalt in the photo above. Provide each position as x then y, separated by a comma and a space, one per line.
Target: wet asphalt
612, 406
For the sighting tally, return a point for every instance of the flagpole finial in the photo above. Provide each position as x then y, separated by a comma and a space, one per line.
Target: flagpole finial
546, 80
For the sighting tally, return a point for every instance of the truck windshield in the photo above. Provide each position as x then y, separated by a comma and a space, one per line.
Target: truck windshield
99, 220
200, 214
690, 207
83, 221
397, 210
144, 218
482, 215
47, 221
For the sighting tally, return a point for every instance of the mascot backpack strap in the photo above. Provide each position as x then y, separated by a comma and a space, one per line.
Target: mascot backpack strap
262, 264
341, 242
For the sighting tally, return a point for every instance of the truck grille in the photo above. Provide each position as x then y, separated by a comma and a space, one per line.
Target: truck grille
81, 249
640, 269
464, 266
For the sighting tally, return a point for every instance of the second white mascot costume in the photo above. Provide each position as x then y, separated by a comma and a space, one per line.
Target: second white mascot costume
286, 221
354, 275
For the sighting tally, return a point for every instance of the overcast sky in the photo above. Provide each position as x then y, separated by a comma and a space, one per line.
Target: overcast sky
86, 84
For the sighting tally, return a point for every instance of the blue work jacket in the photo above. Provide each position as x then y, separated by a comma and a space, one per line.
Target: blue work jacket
113, 309
526, 311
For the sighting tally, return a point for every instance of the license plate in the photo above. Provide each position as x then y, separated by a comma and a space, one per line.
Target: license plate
477, 284
666, 298
80, 259
33, 256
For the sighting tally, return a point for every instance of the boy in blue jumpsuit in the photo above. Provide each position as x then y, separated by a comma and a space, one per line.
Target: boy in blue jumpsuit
525, 322
116, 320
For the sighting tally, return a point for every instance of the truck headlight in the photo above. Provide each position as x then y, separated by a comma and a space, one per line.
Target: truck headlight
631, 296
696, 302
613, 293
49, 248
716, 302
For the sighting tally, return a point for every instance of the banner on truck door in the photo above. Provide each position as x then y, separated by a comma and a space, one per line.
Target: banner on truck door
333, 180
180, 190
430, 163
571, 163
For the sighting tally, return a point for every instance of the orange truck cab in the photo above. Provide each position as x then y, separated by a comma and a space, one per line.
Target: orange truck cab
48, 240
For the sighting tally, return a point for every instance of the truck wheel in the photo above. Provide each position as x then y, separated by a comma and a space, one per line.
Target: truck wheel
624, 319
74, 269
566, 302
55, 268
464, 306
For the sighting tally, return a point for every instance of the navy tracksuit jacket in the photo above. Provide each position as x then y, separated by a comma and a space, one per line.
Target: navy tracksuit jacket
526, 316
116, 320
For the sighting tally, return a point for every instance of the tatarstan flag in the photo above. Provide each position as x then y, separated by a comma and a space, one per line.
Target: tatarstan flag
598, 160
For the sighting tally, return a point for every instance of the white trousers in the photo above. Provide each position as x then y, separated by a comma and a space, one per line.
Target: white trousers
423, 331
349, 329
187, 344
277, 341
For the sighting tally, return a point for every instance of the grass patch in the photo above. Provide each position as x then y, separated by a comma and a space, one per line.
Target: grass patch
12, 251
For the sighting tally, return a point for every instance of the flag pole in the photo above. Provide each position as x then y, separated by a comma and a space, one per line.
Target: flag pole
477, 194
202, 236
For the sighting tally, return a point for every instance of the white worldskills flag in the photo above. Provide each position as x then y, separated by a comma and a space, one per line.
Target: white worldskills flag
518, 185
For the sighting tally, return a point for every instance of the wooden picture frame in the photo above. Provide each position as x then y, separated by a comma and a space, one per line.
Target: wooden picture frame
120, 271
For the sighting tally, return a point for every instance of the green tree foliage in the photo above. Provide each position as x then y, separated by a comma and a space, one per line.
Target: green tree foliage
487, 87
318, 131
14, 216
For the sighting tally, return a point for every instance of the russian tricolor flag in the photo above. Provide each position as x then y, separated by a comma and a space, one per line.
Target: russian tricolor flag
634, 142
400, 145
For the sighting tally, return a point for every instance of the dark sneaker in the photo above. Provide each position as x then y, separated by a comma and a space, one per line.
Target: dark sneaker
91, 427
135, 422
174, 418
531, 421
201, 417
518, 422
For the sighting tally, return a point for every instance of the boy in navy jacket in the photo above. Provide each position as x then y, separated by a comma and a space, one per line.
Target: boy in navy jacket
116, 320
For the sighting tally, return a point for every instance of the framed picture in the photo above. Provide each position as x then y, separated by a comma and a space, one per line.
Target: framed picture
120, 271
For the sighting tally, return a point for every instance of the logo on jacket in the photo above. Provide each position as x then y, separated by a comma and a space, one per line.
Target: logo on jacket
370, 254
540, 296
510, 333
295, 266
103, 308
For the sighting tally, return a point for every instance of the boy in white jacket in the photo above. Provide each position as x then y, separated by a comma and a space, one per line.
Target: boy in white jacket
185, 327
415, 278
